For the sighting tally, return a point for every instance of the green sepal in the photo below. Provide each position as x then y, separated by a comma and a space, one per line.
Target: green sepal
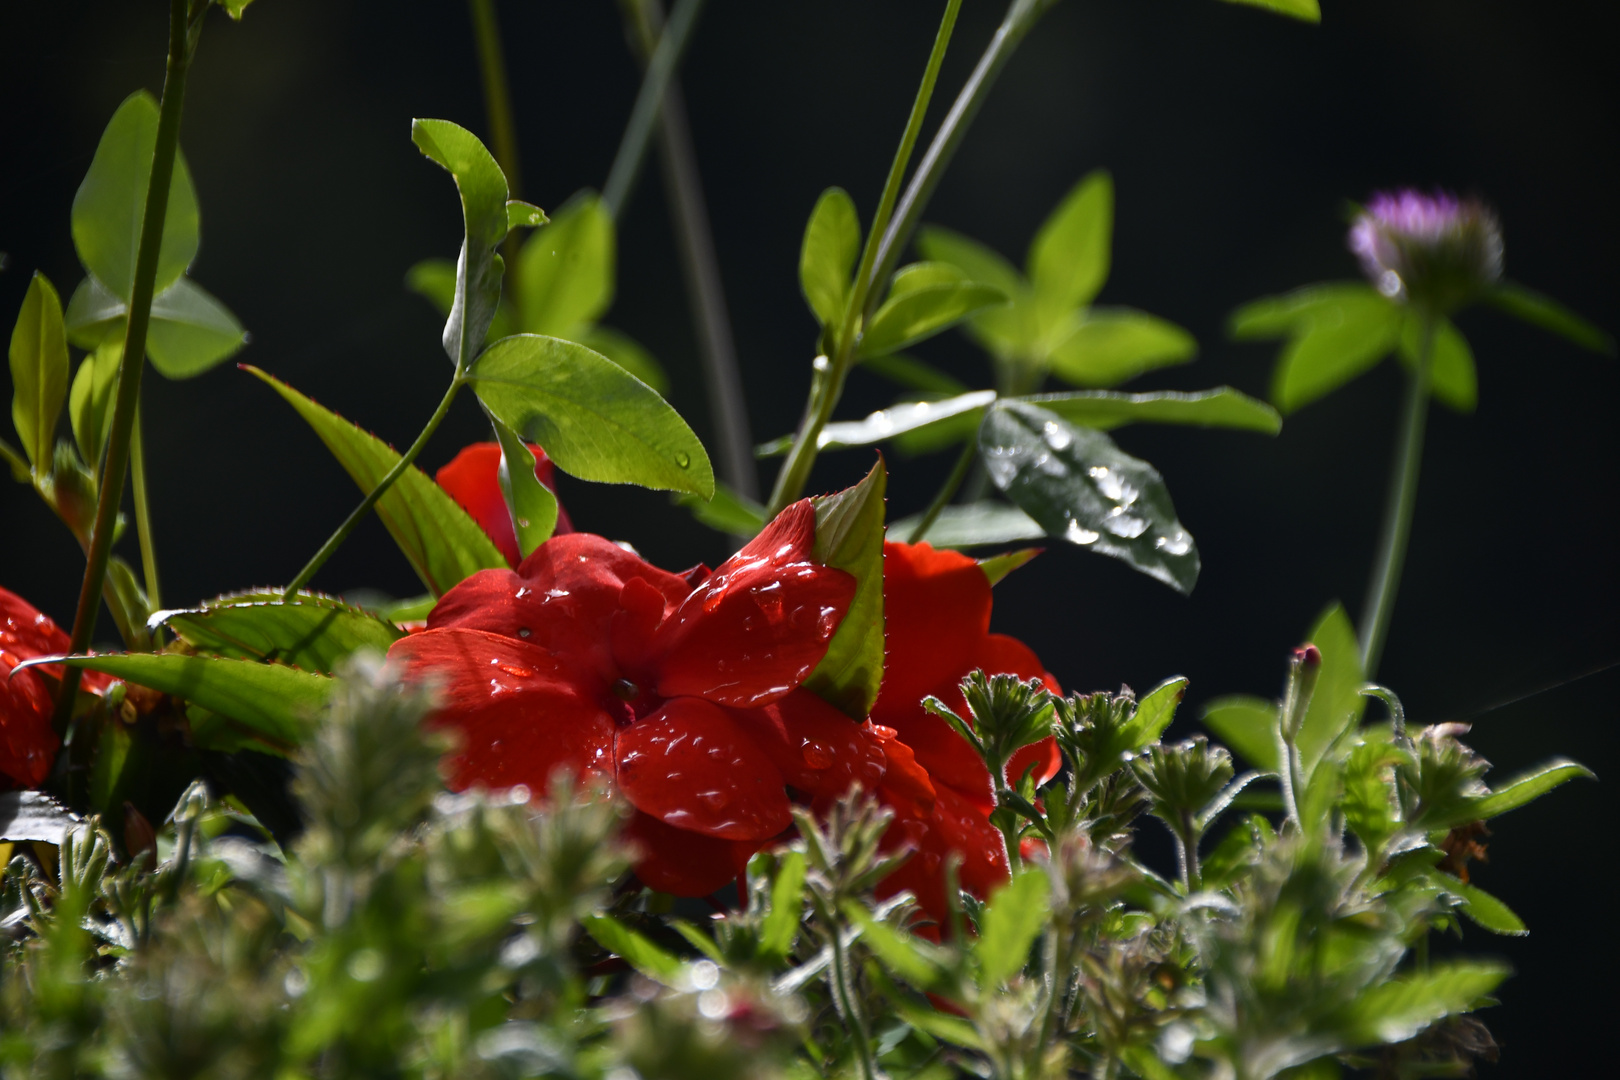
997, 567
849, 536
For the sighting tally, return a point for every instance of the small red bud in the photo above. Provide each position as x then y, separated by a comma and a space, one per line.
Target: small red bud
1308, 655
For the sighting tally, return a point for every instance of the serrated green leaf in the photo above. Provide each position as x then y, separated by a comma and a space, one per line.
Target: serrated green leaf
1304, 10
849, 536
39, 371
444, 545
1397, 1009
1481, 906
1452, 377
628, 353
913, 316
275, 701
530, 504
1112, 345
110, 203
594, 419
1247, 725
1083, 489
974, 525
1155, 711
566, 270
91, 396
727, 512
637, 951
1009, 925
1543, 311
781, 924
997, 567
832, 240
310, 631
1531, 786
1069, 258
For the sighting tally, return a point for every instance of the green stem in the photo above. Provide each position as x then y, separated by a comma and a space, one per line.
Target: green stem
947, 491
183, 31
335, 541
143, 513
1385, 581
498, 107
633, 146
828, 385
843, 986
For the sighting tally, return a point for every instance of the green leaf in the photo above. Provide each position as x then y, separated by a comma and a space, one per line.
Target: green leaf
1304, 10
1481, 906
727, 512
190, 331
849, 536
91, 396
530, 504
310, 631
942, 1026
1543, 311
1335, 332
565, 279
1112, 345
1369, 802
107, 774
1105, 410
594, 419
483, 204
278, 702
1068, 261
1525, 789
111, 201
522, 215
628, 353
1009, 925
1155, 711
39, 371
907, 955
637, 951
128, 603
94, 314
978, 262
1084, 489
909, 416
443, 544
832, 240
1399, 1008
1338, 702
921, 313
1247, 725
975, 524
1452, 378
781, 924
15, 460
234, 8
997, 567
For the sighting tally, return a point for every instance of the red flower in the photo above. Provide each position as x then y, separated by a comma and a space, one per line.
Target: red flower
683, 690
472, 479
28, 744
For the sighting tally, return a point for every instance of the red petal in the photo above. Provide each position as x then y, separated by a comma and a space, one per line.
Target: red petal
936, 608
816, 748
692, 766
905, 782
949, 759
684, 863
518, 711
563, 598
28, 744
473, 479
26, 633
756, 628
955, 825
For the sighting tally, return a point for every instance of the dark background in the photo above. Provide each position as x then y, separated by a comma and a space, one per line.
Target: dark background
1235, 139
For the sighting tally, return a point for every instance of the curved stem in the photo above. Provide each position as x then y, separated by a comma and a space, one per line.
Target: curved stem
947, 491
1385, 581
335, 541
182, 43
633, 146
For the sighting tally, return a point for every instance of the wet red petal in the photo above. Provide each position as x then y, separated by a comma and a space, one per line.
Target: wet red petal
692, 766
518, 710
905, 783
28, 745
684, 863
26, 633
816, 748
936, 608
954, 825
949, 759
473, 479
760, 624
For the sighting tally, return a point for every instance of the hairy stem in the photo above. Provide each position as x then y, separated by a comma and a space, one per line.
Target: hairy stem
947, 491
498, 107
182, 43
660, 69
849, 1003
335, 541
1385, 581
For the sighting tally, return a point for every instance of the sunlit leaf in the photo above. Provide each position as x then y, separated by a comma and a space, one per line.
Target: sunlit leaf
190, 331
1112, 345
907, 955
921, 313
1304, 10
1247, 725
887, 423
1526, 789
727, 512
974, 525
523, 215
39, 371
1452, 378
1482, 907
1104, 410
530, 504
1399, 1008
91, 396
914, 374
781, 924
1009, 925
1335, 332
641, 954
310, 631
997, 567
849, 536
978, 262
565, 271
628, 353
832, 240
1547, 313
1155, 711
1069, 258
1338, 702
34, 816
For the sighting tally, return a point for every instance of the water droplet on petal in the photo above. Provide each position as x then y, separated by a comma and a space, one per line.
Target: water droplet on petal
817, 755
515, 671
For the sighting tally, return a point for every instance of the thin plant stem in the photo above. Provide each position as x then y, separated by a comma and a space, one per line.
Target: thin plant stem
851, 1006
637, 132
700, 266
143, 513
947, 491
359, 513
498, 107
184, 27
827, 385
1385, 581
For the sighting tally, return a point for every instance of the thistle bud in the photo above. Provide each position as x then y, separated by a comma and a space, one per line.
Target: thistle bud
1431, 249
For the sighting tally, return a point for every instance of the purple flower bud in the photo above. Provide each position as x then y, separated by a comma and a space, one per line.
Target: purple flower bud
1433, 249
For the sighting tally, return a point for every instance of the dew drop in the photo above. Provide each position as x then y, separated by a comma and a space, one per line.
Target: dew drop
817, 755
683, 459
1075, 534
515, 671
713, 800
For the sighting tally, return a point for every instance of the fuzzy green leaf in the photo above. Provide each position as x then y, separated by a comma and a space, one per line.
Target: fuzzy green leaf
1009, 925
1481, 906
1155, 711
39, 371
781, 925
832, 240
641, 954
1531, 786
1399, 1008
310, 631
849, 536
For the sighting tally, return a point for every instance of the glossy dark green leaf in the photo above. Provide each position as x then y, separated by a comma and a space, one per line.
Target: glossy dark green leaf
1247, 725
110, 202
1480, 906
1155, 711
1303, 10
913, 316
1009, 924
1397, 1009
483, 203
565, 272
832, 240
594, 419
628, 353
1111, 345
1084, 489
727, 512
997, 567
849, 536
531, 505
39, 371
640, 953
443, 544
1338, 702
278, 702
974, 524
1531, 786
1069, 258
90, 398
1541, 310
310, 631
1452, 378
